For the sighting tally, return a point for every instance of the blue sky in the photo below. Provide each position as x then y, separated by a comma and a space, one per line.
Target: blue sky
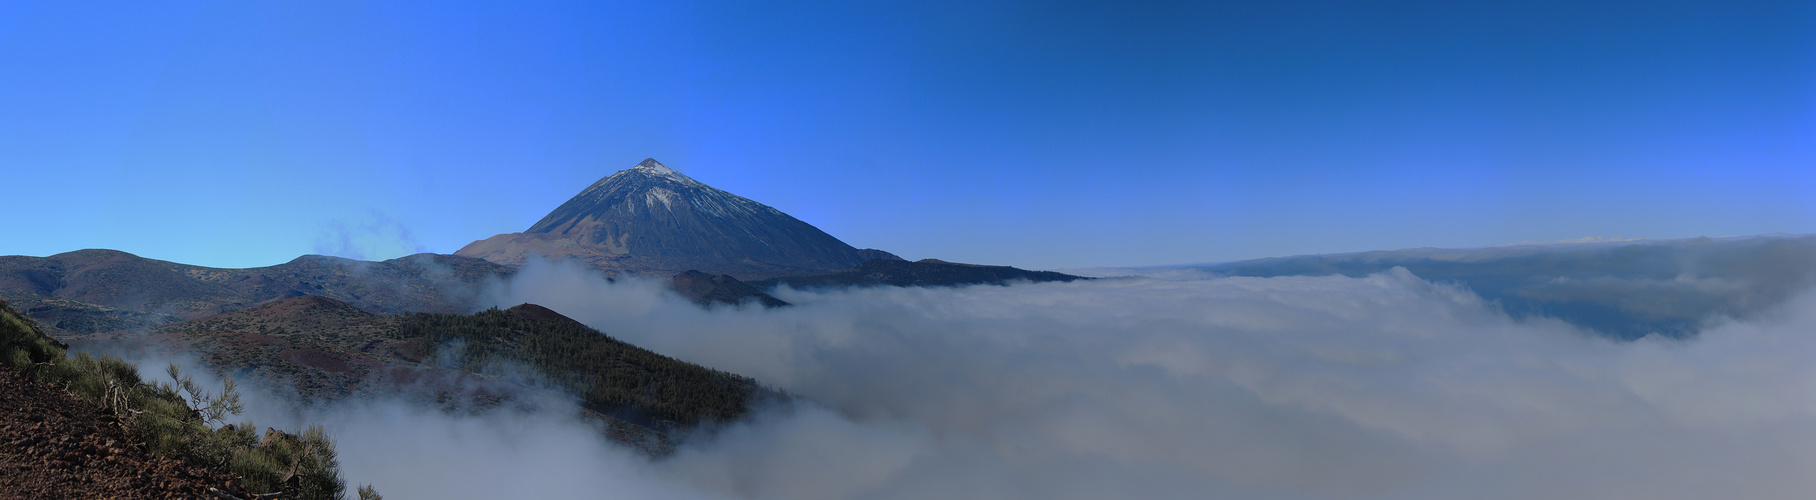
1036, 134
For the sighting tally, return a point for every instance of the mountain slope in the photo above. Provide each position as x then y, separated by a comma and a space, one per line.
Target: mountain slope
87, 426
650, 219
328, 350
612, 377
89, 291
708, 289
62, 447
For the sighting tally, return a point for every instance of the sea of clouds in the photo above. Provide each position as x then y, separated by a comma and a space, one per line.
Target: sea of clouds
1180, 385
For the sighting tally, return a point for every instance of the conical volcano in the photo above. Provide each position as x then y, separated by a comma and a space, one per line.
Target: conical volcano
650, 219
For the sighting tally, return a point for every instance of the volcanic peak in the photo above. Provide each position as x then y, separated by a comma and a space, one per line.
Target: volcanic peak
651, 219
656, 167
652, 168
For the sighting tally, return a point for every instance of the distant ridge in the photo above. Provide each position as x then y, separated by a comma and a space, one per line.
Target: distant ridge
95, 290
1605, 285
650, 219
708, 289
924, 272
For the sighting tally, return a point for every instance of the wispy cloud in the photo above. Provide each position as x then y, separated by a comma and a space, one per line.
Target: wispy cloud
375, 236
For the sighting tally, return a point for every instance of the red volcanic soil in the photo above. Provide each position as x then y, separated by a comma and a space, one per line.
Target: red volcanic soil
310, 303
55, 446
317, 359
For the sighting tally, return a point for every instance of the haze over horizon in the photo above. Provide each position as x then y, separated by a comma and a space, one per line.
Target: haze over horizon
1034, 135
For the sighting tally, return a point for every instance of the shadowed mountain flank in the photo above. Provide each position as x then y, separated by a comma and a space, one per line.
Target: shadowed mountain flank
924, 272
650, 219
707, 289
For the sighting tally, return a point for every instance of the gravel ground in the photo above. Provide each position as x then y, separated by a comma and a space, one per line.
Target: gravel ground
53, 445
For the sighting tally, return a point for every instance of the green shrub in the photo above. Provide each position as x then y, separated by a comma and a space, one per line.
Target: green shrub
176, 419
22, 346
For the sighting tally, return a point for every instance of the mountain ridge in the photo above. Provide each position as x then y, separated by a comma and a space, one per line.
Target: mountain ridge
923, 273
1604, 286
95, 290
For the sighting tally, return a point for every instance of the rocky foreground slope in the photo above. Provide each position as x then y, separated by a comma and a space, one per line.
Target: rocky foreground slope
90, 427
54, 446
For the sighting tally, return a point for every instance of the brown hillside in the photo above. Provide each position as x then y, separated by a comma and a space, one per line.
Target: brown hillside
90, 291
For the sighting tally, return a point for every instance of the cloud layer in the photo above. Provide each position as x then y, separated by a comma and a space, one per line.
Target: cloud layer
1381, 386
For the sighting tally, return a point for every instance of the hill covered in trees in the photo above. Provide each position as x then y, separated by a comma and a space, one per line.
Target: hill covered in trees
609, 375
328, 350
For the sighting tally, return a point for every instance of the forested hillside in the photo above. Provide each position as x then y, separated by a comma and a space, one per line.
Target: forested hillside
610, 376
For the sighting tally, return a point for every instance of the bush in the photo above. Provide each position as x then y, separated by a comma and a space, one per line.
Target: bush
22, 346
176, 419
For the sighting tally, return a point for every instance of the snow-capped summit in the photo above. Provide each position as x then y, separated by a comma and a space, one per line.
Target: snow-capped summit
652, 219
653, 167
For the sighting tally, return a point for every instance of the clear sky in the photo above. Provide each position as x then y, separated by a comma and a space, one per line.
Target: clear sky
1036, 134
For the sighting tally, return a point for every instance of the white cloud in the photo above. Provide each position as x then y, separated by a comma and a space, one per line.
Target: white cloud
1194, 387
